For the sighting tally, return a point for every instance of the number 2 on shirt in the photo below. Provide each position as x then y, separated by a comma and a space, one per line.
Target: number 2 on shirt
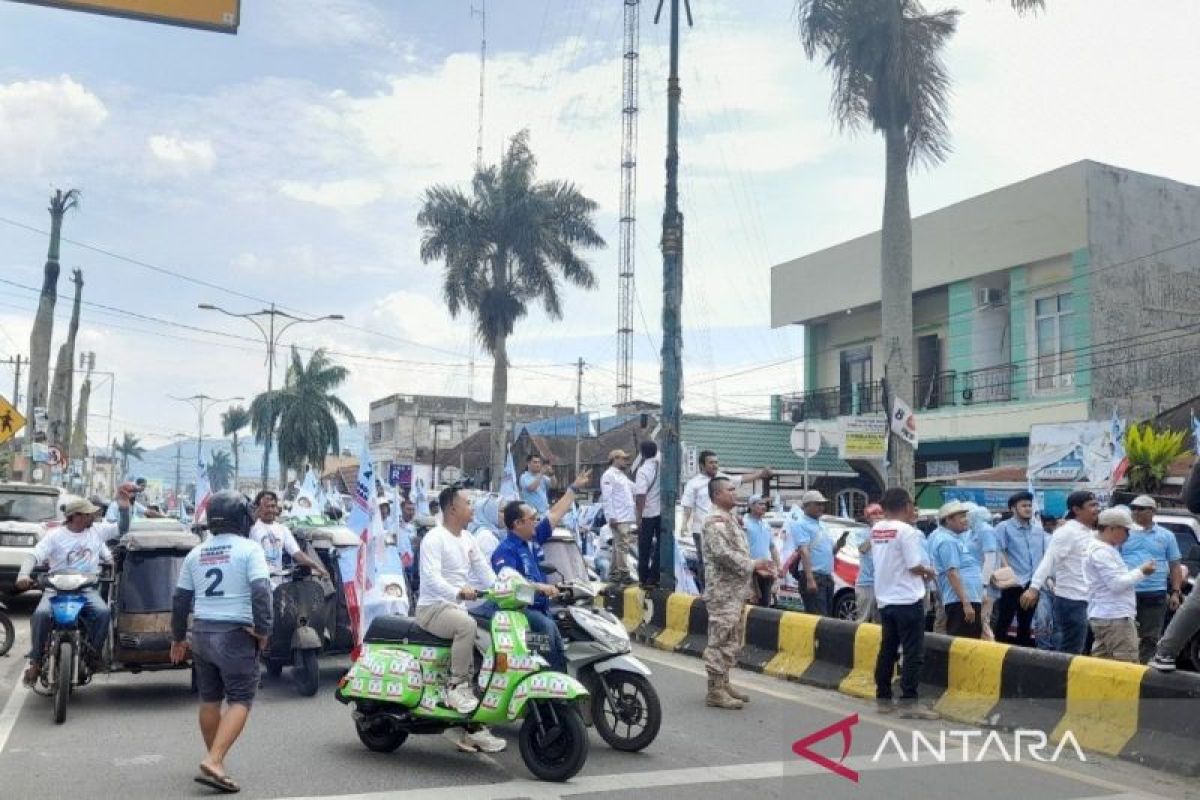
216, 575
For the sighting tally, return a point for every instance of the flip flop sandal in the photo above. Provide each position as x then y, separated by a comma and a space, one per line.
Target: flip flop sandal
222, 783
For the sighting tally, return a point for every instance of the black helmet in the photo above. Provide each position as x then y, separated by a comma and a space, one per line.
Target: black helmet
229, 512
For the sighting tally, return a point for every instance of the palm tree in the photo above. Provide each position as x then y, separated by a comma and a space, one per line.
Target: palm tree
62, 389
503, 248
220, 470
888, 74
43, 324
234, 420
129, 447
304, 413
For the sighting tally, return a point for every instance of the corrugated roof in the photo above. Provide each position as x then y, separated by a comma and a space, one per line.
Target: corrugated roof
745, 444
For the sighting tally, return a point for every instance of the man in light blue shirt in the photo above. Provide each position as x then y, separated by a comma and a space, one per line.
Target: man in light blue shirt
959, 576
535, 484
762, 546
1152, 542
1021, 545
864, 584
814, 556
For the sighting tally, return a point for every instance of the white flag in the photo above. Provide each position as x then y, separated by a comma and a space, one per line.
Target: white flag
904, 422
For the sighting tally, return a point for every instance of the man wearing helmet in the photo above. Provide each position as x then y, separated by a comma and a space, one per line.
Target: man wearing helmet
226, 585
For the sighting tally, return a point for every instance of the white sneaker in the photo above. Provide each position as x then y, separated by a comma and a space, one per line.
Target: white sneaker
461, 697
481, 741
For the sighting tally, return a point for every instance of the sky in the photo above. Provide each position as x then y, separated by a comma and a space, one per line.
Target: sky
287, 163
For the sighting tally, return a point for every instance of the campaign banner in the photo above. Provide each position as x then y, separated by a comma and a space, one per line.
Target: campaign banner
1081, 453
863, 437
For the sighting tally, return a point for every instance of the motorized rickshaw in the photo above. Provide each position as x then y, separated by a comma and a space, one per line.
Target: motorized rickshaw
327, 540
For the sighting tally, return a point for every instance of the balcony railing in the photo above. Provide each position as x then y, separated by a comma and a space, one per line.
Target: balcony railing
929, 392
989, 385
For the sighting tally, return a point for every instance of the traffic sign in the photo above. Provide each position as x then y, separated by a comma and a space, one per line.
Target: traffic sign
11, 420
806, 442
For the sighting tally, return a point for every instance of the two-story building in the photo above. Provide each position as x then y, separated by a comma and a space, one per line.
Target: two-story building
1055, 299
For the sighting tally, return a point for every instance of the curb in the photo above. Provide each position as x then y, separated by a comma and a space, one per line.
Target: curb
1123, 710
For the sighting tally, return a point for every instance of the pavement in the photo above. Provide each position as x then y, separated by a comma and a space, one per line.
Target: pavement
135, 736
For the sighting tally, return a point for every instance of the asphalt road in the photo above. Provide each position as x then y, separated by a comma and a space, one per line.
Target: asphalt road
135, 736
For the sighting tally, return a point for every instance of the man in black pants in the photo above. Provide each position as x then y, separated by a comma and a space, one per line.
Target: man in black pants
1022, 545
647, 504
900, 574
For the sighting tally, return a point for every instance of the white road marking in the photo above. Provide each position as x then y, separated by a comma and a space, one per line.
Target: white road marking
138, 761
12, 710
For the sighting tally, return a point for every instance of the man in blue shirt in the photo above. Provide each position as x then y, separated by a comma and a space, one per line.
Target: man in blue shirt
1152, 542
959, 576
814, 549
1022, 546
518, 553
225, 585
535, 484
762, 546
864, 584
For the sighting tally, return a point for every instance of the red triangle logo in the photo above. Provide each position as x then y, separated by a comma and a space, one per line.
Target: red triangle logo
801, 748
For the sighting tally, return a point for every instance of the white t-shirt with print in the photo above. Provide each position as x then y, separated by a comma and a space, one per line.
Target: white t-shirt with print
275, 539
83, 551
896, 548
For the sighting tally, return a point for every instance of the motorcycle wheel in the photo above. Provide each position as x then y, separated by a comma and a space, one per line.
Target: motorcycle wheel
7, 634
634, 724
380, 738
305, 672
558, 753
62, 685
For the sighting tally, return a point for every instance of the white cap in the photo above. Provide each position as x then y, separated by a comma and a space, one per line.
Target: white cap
1118, 516
1144, 501
952, 508
812, 496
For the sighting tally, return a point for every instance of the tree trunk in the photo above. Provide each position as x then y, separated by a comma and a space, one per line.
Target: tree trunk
896, 302
63, 388
43, 324
79, 429
499, 431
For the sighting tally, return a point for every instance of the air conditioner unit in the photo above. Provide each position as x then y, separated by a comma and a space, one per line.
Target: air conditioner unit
990, 298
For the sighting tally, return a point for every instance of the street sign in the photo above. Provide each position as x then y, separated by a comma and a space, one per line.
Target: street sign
11, 420
806, 442
222, 16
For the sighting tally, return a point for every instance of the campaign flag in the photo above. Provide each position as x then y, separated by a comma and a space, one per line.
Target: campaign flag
420, 497
1195, 433
361, 577
508, 484
843, 509
1119, 459
904, 422
203, 493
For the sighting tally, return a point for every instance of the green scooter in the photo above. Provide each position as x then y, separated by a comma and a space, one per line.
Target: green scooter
398, 687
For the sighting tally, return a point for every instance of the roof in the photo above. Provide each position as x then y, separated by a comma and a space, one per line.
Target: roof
746, 444
1178, 418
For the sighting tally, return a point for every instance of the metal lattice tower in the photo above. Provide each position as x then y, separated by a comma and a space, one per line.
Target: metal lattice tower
629, 138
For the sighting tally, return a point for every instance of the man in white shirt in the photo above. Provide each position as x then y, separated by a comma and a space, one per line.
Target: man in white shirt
697, 506
901, 569
454, 572
1063, 561
275, 539
647, 496
1112, 602
616, 495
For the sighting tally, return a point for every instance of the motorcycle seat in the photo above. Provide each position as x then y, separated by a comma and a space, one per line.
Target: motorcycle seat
405, 630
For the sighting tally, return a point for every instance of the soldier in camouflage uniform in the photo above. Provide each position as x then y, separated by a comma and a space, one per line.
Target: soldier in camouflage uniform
728, 569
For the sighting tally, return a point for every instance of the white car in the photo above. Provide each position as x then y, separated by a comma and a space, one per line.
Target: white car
27, 513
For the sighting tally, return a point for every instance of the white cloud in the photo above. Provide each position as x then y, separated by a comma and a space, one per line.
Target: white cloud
349, 193
323, 23
182, 157
45, 122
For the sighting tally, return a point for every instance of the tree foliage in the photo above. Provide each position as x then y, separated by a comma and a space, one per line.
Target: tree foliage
1151, 453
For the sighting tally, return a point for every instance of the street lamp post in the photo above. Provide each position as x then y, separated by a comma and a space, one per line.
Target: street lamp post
202, 403
271, 338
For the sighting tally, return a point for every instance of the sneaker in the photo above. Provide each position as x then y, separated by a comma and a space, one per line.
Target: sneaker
461, 697
884, 707
30, 676
918, 712
1163, 664
480, 741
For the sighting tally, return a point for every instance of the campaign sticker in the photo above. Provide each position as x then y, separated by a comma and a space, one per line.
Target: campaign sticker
500, 682
428, 654
375, 686
358, 685
395, 689
502, 622
491, 700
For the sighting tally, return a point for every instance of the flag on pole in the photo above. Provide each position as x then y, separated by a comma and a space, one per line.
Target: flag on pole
1119, 459
203, 493
360, 566
1195, 433
508, 483
420, 497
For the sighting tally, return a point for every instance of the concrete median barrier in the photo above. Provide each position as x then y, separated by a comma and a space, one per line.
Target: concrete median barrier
1122, 710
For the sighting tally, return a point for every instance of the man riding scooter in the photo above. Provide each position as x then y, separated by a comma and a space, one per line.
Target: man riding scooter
517, 554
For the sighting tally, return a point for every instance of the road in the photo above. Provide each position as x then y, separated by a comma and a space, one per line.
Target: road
134, 737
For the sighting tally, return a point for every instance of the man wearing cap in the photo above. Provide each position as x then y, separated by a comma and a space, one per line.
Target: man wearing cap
813, 555
616, 496
1151, 542
1022, 546
696, 505
762, 548
77, 545
1111, 603
959, 574
1063, 562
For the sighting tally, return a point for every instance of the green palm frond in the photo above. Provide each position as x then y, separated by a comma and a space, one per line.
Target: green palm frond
1151, 453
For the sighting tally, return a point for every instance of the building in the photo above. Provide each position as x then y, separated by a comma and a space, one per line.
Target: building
408, 428
1056, 299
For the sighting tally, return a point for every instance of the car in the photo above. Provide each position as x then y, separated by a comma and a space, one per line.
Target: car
1186, 528
27, 513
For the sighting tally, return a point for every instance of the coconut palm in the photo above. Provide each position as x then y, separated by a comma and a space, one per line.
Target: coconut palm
43, 323
507, 245
886, 60
304, 413
233, 421
220, 470
129, 447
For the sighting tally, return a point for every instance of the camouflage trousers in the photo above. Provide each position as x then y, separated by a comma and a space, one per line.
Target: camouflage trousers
726, 629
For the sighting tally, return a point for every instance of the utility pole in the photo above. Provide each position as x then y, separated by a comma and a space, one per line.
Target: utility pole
202, 403
578, 414
179, 437
482, 12
672, 338
15, 362
630, 79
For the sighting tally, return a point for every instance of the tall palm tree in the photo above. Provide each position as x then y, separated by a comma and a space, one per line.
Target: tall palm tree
304, 413
504, 247
220, 470
43, 323
62, 389
234, 420
129, 447
886, 60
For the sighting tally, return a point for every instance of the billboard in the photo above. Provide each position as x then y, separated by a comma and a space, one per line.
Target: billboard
214, 15
864, 437
1080, 453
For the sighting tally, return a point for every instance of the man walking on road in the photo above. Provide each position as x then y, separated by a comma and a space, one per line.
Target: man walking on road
726, 589
647, 496
1022, 545
616, 495
696, 504
1063, 562
1111, 602
811, 563
225, 585
1151, 542
900, 574
959, 577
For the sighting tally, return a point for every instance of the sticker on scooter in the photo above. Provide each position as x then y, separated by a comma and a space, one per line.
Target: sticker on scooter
429, 654
358, 685
491, 700
504, 641
502, 622
500, 682
375, 686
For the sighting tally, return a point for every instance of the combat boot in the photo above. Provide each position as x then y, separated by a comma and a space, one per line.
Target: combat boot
736, 694
717, 696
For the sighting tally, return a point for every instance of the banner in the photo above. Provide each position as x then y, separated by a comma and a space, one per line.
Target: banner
863, 437
1080, 453
904, 422
508, 484
203, 493
361, 583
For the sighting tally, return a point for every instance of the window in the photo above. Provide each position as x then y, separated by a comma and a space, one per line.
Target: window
376, 431
855, 379
1054, 337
